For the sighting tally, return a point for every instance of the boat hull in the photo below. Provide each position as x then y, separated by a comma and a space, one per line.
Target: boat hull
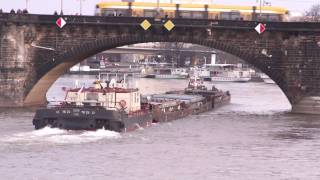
93, 118
230, 79
80, 118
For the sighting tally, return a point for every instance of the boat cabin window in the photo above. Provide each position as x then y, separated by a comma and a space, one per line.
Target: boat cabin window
86, 104
92, 96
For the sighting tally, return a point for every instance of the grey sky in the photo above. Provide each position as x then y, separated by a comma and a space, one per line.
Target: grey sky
72, 6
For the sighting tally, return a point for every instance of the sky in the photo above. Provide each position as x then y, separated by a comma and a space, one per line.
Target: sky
73, 6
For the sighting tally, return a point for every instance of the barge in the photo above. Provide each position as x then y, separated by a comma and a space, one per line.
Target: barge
113, 105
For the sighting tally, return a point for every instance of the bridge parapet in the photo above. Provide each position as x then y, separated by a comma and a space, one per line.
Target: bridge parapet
179, 22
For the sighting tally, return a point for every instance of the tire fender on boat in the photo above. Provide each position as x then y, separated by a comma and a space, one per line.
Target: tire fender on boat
122, 103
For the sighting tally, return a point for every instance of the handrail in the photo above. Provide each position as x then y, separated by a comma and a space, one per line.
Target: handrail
135, 21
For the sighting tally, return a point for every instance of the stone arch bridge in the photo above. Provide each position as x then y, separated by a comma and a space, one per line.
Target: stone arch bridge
287, 52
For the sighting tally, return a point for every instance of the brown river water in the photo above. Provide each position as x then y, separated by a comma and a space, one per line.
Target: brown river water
255, 137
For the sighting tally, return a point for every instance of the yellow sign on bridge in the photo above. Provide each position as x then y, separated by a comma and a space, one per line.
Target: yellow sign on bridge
145, 24
169, 25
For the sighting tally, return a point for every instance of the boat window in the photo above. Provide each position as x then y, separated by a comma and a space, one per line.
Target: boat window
164, 71
92, 96
86, 103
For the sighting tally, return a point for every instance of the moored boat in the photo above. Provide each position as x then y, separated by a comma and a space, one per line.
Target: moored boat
223, 73
168, 73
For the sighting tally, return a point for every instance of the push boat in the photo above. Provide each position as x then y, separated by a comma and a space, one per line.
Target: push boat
115, 106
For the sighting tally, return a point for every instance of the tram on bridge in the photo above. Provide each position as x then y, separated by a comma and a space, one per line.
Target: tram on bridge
194, 11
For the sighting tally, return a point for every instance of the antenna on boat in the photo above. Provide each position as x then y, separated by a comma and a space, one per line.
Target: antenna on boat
76, 83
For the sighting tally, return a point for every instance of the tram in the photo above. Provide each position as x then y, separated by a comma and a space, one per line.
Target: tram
194, 11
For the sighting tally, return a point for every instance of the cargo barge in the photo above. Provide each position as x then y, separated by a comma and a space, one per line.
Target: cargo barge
114, 106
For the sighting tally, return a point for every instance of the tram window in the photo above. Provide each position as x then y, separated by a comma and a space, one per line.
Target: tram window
108, 12
185, 14
197, 15
149, 13
224, 16
264, 17
274, 17
234, 15
230, 15
122, 12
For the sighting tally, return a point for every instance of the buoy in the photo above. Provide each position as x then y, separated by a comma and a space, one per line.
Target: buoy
122, 103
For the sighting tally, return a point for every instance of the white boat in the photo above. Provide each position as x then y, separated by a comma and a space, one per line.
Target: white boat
267, 79
202, 73
168, 73
223, 73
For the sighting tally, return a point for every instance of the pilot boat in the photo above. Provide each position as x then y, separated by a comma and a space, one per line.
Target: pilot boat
110, 105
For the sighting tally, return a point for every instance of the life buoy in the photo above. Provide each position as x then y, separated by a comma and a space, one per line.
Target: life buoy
122, 103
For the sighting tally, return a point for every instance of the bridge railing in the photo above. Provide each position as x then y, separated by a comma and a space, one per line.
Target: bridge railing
179, 22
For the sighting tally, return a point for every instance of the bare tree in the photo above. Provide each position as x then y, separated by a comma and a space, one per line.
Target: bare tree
313, 14
173, 51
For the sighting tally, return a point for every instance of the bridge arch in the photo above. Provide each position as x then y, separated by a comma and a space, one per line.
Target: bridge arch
49, 73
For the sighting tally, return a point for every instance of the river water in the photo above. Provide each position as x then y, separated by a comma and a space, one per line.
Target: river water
255, 137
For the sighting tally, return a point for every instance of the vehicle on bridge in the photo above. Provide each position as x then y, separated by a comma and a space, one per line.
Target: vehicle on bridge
195, 11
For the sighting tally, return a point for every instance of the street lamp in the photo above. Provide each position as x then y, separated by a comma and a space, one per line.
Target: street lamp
27, 4
260, 8
158, 6
61, 6
80, 7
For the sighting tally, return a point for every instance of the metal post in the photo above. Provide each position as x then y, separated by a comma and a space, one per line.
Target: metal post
80, 7
158, 6
61, 6
260, 8
27, 4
